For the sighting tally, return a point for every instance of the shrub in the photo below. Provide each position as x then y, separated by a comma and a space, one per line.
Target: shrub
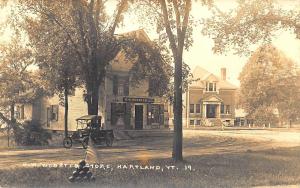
32, 133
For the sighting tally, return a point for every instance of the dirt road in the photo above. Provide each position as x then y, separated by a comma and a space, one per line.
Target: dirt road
196, 143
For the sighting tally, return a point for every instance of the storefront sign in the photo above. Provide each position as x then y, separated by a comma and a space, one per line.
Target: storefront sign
138, 100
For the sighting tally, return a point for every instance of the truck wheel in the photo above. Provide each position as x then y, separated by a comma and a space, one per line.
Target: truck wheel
85, 142
109, 141
67, 142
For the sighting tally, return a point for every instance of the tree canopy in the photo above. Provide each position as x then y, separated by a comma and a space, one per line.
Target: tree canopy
269, 82
84, 31
252, 22
19, 84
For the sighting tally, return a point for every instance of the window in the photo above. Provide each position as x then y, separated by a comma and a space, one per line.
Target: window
192, 110
210, 86
198, 122
120, 85
117, 112
192, 122
227, 109
153, 91
72, 92
222, 108
155, 113
121, 88
52, 114
198, 108
19, 114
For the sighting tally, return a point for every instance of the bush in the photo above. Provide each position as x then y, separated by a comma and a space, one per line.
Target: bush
32, 133
264, 115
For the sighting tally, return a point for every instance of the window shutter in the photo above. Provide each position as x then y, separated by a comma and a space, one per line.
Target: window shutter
151, 87
22, 112
115, 85
126, 86
113, 114
161, 115
127, 115
198, 107
49, 116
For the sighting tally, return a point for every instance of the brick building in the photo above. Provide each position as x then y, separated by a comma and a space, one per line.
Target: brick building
210, 100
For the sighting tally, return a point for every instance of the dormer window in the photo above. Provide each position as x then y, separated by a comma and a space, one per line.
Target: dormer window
211, 86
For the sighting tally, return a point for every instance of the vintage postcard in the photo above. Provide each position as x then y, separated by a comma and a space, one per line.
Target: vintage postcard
150, 93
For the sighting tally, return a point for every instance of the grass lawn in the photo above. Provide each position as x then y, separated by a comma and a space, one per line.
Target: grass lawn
242, 169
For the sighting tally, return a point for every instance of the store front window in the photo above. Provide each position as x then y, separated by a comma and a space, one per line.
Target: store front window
155, 114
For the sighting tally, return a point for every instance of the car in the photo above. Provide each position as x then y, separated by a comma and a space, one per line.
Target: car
89, 127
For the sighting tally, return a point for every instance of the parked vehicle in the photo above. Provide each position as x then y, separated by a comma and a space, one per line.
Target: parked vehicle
89, 126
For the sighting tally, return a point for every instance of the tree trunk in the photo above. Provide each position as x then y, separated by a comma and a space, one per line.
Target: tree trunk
66, 112
93, 99
12, 124
177, 110
12, 119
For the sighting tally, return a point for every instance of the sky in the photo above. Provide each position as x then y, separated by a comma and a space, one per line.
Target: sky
201, 54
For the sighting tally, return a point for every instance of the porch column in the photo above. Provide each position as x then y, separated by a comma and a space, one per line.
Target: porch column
204, 111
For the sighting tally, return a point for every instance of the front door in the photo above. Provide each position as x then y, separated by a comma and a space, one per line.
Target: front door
211, 111
138, 117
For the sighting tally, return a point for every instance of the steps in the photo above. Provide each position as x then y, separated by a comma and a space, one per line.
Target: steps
211, 122
121, 135
206, 122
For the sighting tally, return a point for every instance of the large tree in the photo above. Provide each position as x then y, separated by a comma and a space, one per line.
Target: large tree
90, 34
269, 82
88, 29
174, 26
77, 38
18, 84
59, 71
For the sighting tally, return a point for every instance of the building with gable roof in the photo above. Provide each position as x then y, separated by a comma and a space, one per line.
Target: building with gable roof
210, 100
122, 104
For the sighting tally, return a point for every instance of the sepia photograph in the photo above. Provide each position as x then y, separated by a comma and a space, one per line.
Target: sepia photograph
150, 93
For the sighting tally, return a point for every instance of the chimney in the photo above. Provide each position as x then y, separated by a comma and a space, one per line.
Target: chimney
223, 73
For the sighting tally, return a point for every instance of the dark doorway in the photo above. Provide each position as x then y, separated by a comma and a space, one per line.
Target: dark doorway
138, 117
211, 111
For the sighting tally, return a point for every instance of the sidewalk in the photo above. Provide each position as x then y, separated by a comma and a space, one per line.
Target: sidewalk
242, 128
132, 134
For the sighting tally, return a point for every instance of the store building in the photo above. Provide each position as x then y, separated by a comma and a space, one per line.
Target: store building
122, 105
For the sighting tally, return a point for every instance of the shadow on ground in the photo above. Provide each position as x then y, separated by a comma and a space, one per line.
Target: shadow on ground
280, 166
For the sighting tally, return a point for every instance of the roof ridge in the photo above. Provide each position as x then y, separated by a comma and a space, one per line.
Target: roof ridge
202, 74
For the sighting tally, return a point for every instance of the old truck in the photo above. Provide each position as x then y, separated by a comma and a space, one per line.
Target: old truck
89, 127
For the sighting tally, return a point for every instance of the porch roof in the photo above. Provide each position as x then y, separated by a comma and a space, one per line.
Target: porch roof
212, 98
87, 117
